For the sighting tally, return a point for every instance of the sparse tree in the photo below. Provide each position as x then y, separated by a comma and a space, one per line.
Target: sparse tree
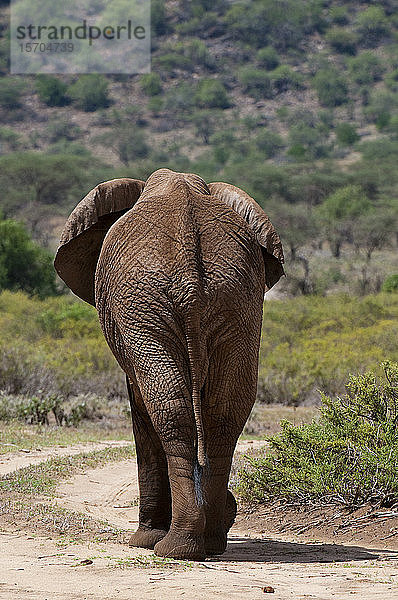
338, 214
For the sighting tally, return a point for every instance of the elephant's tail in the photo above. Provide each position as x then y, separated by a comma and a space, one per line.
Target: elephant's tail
192, 335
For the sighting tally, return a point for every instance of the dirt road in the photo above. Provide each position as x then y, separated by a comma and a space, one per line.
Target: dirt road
41, 568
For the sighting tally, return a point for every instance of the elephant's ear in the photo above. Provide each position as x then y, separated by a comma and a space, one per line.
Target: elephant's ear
85, 230
259, 223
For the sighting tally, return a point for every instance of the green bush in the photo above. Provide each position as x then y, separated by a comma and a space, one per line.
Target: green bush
151, 84
346, 134
339, 14
391, 80
196, 51
348, 201
37, 409
206, 121
11, 91
268, 58
269, 142
372, 25
198, 8
90, 92
173, 60
306, 141
282, 24
155, 105
131, 144
158, 17
392, 126
255, 82
338, 213
9, 140
348, 457
382, 149
223, 143
201, 25
331, 87
211, 93
285, 78
51, 90
24, 265
380, 106
185, 55
366, 68
342, 40
390, 284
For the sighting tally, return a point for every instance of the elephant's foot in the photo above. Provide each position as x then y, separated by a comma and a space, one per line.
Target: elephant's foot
146, 538
215, 544
182, 545
230, 511
216, 535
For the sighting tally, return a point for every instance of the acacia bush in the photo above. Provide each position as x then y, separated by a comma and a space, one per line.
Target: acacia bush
366, 68
46, 408
331, 87
269, 142
282, 24
198, 54
307, 141
342, 40
170, 61
285, 78
346, 134
11, 91
51, 90
10, 141
390, 284
211, 93
255, 82
268, 58
349, 456
372, 24
90, 92
151, 84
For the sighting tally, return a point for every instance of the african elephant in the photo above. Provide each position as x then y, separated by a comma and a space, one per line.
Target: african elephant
177, 271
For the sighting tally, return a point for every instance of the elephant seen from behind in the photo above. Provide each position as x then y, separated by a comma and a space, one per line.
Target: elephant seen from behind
177, 270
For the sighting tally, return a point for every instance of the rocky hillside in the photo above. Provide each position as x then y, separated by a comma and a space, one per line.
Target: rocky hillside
295, 102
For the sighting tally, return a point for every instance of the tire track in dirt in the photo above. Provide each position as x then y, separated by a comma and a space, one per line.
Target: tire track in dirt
38, 568
16, 460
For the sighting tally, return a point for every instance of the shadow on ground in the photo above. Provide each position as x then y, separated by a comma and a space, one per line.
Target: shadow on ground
267, 550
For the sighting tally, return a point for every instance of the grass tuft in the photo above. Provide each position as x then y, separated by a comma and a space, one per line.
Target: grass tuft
44, 477
148, 561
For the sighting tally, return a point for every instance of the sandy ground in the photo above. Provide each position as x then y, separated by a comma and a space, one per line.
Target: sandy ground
45, 568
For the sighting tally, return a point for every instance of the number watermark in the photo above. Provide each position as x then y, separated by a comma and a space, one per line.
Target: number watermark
100, 37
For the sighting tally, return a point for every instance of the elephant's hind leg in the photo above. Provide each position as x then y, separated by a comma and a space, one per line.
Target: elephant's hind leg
164, 383
230, 511
155, 499
229, 394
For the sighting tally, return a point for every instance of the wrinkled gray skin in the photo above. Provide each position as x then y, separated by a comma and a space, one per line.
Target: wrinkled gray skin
177, 271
